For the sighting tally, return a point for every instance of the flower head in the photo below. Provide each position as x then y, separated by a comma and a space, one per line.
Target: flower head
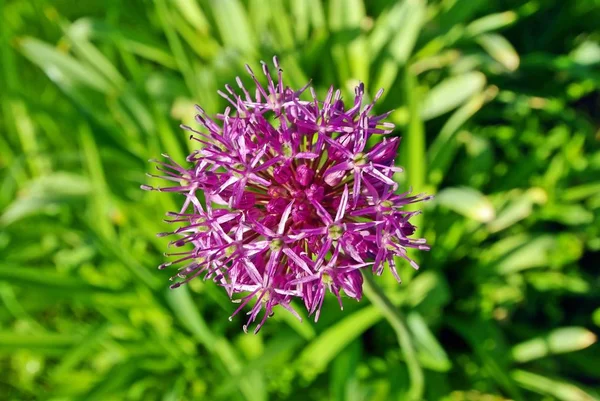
284, 200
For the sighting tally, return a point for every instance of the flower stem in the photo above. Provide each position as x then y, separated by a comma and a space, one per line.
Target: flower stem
396, 319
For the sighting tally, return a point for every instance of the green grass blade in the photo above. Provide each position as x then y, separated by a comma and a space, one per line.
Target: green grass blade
546, 386
558, 341
451, 93
467, 201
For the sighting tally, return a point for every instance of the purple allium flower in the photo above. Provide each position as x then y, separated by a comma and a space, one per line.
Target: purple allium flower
283, 200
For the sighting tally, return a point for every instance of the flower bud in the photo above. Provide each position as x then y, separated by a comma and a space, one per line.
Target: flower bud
304, 175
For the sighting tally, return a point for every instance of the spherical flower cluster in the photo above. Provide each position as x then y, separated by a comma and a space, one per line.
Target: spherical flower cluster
283, 200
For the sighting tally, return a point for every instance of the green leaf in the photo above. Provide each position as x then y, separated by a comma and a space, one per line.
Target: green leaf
402, 45
596, 317
573, 214
557, 281
455, 12
385, 26
232, 22
44, 278
80, 351
580, 192
193, 14
451, 93
45, 343
94, 57
282, 25
534, 253
429, 292
553, 387
587, 53
322, 350
183, 306
491, 22
177, 48
397, 321
399, 50
414, 140
519, 207
300, 14
304, 328
207, 47
61, 67
500, 49
558, 341
467, 201
343, 372
349, 45
430, 352
444, 147
45, 193
489, 345
542, 251
120, 377
129, 40
277, 351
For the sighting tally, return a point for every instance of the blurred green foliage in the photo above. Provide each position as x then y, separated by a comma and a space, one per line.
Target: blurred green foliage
499, 109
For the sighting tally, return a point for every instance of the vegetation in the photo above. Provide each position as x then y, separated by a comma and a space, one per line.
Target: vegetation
497, 103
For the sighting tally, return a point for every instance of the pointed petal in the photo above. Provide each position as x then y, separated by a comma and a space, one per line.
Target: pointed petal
343, 205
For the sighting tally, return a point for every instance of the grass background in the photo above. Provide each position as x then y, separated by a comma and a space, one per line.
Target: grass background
497, 102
